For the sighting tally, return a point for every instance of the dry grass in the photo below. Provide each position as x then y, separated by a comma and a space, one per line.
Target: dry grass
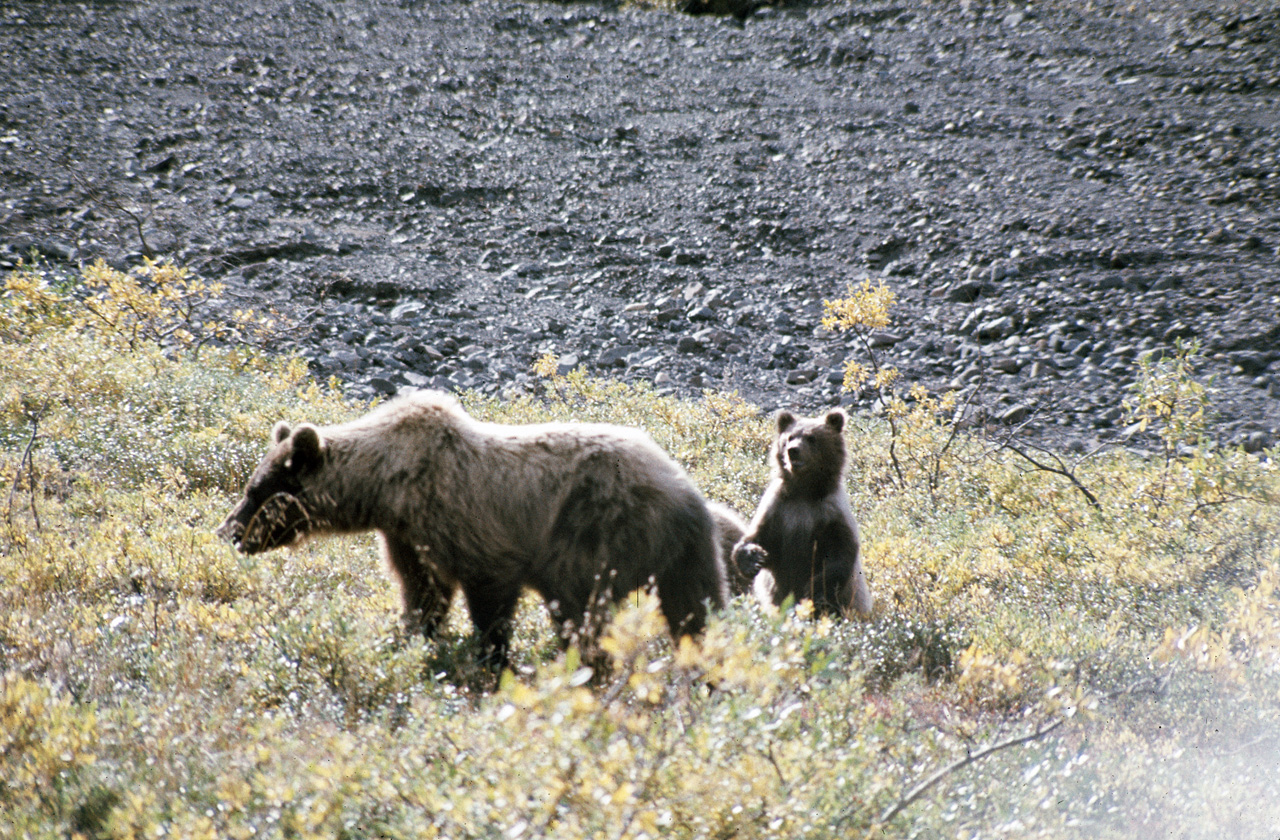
155, 682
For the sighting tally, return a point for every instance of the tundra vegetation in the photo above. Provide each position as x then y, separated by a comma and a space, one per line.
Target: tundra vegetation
1063, 646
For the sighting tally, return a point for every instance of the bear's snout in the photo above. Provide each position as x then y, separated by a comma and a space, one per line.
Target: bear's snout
793, 457
281, 520
230, 531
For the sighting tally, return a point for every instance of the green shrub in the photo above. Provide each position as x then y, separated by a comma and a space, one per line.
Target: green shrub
156, 682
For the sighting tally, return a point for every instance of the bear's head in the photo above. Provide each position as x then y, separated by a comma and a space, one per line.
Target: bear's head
272, 512
809, 454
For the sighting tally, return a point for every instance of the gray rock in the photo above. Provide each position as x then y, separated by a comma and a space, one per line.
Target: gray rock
1255, 441
801, 377
1109, 417
774, 206
1014, 415
966, 292
615, 357
713, 337
567, 364
346, 359
689, 344
1251, 362
883, 338
406, 308
415, 379
994, 329
668, 312
1002, 270
847, 50
386, 386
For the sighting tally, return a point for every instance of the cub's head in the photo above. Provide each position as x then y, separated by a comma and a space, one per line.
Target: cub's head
272, 512
809, 454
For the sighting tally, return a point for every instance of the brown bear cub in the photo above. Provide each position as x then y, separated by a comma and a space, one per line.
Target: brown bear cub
803, 537
581, 513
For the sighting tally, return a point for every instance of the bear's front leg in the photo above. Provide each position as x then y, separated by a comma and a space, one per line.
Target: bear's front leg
492, 606
749, 558
425, 593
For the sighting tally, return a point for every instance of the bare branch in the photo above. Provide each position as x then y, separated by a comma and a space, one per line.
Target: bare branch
28, 460
923, 787
107, 197
893, 426
1061, 470
936, 473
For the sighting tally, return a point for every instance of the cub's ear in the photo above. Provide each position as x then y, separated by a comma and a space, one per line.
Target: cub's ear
835, 419
280, 432
307, 447
785, 420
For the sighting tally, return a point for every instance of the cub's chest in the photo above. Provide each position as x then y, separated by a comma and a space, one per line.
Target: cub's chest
796, 520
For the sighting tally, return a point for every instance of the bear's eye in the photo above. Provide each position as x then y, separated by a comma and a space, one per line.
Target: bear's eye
277, 479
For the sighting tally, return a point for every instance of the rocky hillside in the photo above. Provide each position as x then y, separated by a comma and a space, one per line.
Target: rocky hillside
439, 193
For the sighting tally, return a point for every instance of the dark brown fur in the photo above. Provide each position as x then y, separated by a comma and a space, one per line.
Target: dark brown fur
803, 535
730, 527
581, 513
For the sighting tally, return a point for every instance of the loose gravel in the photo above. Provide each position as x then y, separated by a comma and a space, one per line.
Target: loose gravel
440, 193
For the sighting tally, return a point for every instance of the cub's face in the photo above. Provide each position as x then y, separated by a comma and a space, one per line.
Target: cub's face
810, 452
271, 514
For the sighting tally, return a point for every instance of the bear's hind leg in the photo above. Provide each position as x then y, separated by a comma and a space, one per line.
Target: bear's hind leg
492, 606
831, 592
425, 593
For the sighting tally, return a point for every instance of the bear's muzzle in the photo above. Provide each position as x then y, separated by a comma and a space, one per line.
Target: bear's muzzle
280, 520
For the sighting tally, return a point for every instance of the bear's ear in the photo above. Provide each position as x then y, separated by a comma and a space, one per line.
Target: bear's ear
835, 419
785, 420
280, 432
307, 447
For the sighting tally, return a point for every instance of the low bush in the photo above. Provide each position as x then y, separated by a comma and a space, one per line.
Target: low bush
1039, 665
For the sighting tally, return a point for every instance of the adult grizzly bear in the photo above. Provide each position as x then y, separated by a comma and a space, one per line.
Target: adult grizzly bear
803, 536
581, 513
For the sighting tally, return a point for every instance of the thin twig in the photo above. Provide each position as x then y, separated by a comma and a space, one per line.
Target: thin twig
923, 787
936, 473
893, 426
30, 463
1154, 686
1060, 470
769, 755
109, 199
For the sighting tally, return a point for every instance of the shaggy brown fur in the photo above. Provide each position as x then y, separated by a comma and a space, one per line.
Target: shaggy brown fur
730, 527
581, 513
803, 535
